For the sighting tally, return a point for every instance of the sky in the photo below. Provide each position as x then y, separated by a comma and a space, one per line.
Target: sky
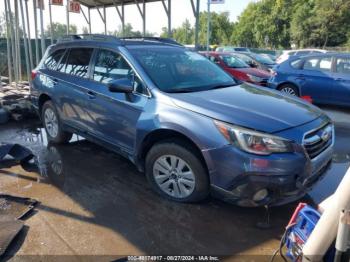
155, 15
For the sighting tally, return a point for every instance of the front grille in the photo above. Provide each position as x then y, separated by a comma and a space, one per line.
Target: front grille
317, 141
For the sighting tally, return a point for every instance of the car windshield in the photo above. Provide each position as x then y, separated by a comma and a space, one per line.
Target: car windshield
233, 62
263, 59
176, 70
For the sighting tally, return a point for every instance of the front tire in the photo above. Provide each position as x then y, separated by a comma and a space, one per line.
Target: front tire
289, 89
52, 124
176, 172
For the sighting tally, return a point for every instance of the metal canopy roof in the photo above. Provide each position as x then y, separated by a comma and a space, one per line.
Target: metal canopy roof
107, 3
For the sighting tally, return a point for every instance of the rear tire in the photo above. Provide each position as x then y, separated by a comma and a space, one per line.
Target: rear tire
289, 89
52, 124
176, 172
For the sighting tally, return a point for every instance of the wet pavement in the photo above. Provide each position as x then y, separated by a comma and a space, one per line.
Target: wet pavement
94, 202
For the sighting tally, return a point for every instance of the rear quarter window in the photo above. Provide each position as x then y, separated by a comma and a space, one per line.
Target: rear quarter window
52, 60
296, 64
77, 62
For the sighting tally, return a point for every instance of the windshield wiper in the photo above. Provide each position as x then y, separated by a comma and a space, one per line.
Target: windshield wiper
182, 90
223, 86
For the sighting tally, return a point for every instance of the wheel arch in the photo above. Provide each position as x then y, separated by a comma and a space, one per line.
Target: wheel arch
163, 134
43, 98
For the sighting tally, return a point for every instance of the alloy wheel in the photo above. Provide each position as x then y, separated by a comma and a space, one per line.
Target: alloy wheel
288, 90
51, 122
174, 176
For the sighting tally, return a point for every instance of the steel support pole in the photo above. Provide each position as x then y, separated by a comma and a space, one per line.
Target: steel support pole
50, 14
121, 15
29, 37
43, 44
123, 20
170, 34
168, 13
89, 15
13, 42
8, 33
36, 32
144, 17
105, 19
208, 26
18, 42
196, 33
26, 53
68, 17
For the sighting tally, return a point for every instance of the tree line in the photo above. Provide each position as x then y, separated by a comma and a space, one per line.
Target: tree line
276, 24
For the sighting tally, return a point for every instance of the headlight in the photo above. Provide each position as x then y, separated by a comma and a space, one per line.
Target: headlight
255, 78
252, 141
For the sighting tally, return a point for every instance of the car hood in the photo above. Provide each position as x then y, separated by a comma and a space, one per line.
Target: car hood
249, 106
254, 72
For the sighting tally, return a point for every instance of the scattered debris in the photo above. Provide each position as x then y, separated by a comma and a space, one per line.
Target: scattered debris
14, 99
12, 209
9, 228
15, 207
17, 153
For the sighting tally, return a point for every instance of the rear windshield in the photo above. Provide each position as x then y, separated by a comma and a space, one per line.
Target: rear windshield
179, 70
263, 59
296, 64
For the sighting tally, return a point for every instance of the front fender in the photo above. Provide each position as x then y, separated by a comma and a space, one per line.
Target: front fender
200, 129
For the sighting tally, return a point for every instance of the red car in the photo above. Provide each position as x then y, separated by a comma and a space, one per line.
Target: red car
238, 68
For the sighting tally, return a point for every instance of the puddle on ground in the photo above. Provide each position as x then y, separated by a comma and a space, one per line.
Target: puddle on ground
52, 164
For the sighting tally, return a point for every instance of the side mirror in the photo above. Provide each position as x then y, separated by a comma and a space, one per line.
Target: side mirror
122, 85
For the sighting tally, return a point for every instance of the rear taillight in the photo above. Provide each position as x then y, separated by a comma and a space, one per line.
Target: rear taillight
34, 73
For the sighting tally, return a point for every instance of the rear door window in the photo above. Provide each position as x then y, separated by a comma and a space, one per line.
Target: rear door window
78, 62
343, 66
319, 64
311, 64
326, 64
52, 61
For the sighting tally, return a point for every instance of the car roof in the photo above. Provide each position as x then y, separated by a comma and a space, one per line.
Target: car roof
306, 49
336, 54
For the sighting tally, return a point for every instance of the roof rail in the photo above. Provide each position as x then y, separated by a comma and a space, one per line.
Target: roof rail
152, 38
94, 37
101, 37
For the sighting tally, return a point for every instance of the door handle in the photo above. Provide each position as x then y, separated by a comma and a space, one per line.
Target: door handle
339, 79
91, 95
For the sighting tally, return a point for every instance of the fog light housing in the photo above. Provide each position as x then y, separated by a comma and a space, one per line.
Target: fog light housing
260, 195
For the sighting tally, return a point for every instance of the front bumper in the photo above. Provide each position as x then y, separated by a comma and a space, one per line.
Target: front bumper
238, 176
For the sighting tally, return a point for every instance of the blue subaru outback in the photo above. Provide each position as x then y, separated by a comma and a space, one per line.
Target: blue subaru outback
182, 120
